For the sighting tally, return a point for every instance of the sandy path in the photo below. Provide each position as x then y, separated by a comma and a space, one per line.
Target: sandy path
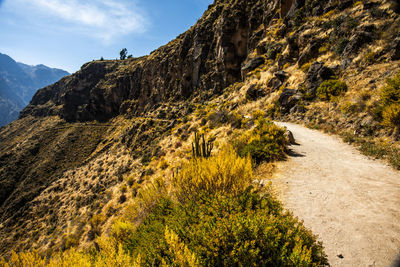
351, 202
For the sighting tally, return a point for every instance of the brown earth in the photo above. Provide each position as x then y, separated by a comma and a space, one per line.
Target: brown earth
350, 201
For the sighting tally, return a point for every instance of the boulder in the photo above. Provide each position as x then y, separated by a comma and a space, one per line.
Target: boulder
252, 64
357, 40
310, 52
296, 5
253, 93
366, 126
298, 109
285, 6
316, 75
395, 49
290, 137
281, 75
293, 45
288, 99
274, 83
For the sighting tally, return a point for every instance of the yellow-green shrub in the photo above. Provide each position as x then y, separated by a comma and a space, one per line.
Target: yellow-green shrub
266, 142
324, 48
95, 225
69, 258
33, 259
236, 120
243, 230
221, 222
391, 115
305, 67
111, 253
225, 173
259, 114
390, 104
370, 58
358, 3
148, 197
23, 259
390, 94
348, 108
122, 230
331, 88
182, 255
69, 241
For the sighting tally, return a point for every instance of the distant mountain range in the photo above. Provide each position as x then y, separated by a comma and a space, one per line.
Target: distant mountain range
19, 82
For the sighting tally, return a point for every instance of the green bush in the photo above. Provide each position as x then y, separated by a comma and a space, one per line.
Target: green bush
272, 50
331, 88
266, 142
236, 120
390, 104
391, 118
219, 220
247, 230
71, 240
341, 45
391, 115
224, 173
390, 94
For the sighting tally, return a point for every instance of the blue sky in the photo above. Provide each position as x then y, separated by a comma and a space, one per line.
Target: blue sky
67, 33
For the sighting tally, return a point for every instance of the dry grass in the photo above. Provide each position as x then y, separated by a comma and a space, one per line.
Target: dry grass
95, 186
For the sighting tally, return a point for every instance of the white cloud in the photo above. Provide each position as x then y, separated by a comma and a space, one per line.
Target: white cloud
103, 19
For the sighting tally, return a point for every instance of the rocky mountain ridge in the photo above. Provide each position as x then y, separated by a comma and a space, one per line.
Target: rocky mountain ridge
83, 140
207, 58
19, 82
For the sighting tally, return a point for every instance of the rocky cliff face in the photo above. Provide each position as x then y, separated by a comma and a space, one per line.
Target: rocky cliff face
83, 139
206, 58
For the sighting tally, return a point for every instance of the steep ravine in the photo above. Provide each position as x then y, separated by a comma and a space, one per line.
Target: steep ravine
350, 201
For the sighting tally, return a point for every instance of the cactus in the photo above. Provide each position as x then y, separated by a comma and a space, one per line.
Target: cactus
201, 147
175, 173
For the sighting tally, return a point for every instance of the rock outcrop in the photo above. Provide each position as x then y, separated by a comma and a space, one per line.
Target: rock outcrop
207, 58
108, 124
395, 49
317, 73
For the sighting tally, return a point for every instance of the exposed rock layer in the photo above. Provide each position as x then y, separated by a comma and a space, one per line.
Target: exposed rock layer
207, 58
53, 172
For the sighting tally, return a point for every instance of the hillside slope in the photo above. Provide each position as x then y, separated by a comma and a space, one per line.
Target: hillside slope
19, 82
85, 145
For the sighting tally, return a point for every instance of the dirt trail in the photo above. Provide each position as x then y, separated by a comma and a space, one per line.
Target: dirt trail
350, 201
